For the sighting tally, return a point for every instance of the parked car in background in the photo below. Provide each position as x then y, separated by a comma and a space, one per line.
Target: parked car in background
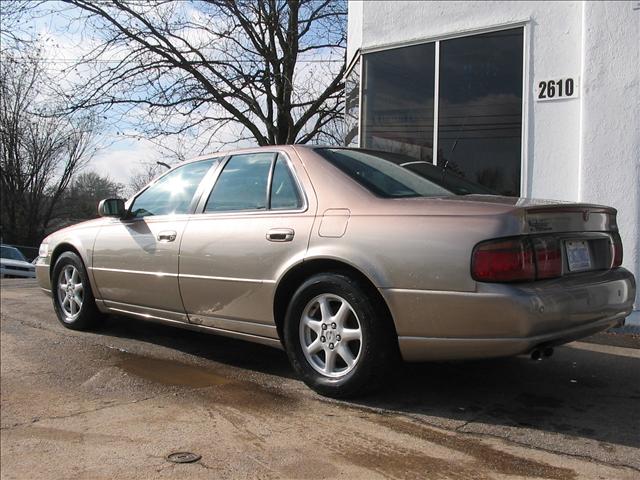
14, 264
347, 259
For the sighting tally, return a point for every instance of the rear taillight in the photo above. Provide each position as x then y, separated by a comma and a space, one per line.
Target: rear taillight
617, 249
548, 257
507, 260
519, 259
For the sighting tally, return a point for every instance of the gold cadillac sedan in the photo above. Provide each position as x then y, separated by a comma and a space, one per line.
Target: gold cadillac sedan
349, 259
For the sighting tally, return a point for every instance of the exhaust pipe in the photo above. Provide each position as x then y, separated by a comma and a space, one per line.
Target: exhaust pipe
538, 354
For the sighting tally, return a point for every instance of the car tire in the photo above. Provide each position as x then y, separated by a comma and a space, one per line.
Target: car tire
338, 336
73, 298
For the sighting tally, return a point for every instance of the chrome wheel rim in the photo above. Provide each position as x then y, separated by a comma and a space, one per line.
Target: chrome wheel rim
330, 335
70, 292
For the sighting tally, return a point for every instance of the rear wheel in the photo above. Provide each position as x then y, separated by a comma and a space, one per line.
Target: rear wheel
338, 337
73, 299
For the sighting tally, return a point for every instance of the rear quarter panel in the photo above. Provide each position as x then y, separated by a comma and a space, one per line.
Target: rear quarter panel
426, 252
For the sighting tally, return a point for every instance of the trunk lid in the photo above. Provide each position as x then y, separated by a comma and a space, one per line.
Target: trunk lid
544, 216
584, 235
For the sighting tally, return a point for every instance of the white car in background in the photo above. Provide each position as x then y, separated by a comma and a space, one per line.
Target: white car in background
14, 264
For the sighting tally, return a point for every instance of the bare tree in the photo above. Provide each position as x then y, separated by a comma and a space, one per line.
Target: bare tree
271, 69
39, 154
81, 199
14, 31
144, 175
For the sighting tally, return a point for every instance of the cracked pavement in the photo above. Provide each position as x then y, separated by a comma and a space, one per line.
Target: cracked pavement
115, 402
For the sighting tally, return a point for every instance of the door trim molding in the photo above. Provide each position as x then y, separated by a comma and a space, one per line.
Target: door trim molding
136, 272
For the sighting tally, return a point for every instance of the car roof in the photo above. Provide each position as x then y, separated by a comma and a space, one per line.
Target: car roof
270, 148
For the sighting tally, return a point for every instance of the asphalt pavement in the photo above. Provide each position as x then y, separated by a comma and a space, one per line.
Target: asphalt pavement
115, 403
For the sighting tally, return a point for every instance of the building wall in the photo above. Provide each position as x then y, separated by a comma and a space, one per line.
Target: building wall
581, 149
610, 138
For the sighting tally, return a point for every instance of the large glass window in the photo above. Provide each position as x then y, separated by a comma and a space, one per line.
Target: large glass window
171, 194
352, 107
479, 105
480, 108
398, 100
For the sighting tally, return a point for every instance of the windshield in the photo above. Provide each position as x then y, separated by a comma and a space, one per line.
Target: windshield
11, 253
391, 175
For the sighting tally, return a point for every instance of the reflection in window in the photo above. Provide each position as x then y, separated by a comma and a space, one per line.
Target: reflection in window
242, 185
284, 193
383, 174
480, 108
352, 106
171, 194
479, 105
398, 100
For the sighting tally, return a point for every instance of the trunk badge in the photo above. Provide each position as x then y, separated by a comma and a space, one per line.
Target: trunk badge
585, 215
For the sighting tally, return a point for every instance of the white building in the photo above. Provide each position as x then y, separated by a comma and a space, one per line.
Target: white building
538, 99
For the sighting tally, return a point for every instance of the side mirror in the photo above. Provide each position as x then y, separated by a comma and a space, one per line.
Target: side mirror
111, 207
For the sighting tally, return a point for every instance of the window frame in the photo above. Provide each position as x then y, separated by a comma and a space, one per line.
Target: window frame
208, 189
194, 200
525, 24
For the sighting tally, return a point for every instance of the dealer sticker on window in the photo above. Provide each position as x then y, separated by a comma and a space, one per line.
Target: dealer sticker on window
578, 255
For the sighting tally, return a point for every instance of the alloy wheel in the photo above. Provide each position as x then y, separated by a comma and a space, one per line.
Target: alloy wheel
70, 292
330, 335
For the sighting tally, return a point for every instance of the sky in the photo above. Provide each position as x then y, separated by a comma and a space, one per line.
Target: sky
122, 152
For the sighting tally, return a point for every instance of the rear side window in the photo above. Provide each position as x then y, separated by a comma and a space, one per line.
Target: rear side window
242, 184
171, 194
284, 191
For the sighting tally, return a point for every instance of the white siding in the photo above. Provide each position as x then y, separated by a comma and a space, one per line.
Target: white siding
587, 148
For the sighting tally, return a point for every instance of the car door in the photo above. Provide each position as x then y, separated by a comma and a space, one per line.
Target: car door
255, 222
135, 259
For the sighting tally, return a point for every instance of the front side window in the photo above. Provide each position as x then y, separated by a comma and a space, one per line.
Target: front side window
392, 175
173, 193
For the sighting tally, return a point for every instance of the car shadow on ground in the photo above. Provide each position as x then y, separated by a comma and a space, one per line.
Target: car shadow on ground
578, 393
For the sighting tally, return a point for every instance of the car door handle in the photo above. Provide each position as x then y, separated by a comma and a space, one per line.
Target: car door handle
167, 236
280, 235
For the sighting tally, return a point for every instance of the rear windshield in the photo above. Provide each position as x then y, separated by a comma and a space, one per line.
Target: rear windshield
11, 253
391, 175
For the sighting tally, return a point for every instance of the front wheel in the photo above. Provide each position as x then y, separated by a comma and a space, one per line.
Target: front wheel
73, 299
338, 336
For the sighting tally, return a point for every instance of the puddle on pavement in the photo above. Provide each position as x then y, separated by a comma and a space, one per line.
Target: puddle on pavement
170, 372
493, 459
236, 393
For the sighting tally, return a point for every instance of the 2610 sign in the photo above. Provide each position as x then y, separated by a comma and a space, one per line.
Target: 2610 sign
557, 89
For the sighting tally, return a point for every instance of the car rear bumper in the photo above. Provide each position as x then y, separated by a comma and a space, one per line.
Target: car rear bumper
508, 319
